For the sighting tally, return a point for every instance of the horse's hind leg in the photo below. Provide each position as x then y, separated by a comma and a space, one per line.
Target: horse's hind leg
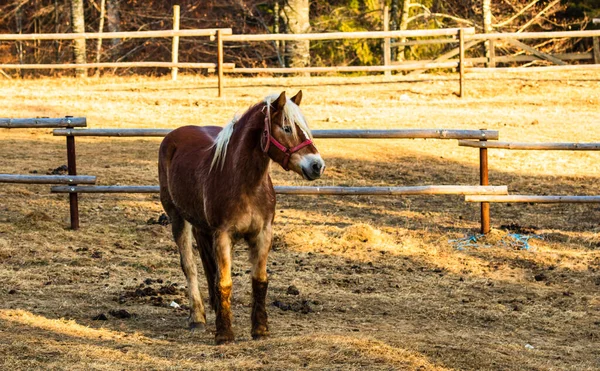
223, 285
259, 249
182, 232
205, 248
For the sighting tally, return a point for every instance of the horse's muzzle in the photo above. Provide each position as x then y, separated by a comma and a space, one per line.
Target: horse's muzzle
314, 168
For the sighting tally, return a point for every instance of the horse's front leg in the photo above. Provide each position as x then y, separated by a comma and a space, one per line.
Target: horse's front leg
223, 285
259, 250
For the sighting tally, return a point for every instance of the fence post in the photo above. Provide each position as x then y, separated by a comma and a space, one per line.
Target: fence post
461, 63
175, 47
484, 180
596, 42
72, 170
220, 61
387, 50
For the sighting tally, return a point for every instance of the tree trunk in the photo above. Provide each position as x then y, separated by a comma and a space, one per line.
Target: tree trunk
297, 21
113, 23
78, 22
403, 27
487, 28
394, 22
100, 30
19, 25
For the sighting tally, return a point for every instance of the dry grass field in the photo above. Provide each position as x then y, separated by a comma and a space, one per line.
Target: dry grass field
381, 282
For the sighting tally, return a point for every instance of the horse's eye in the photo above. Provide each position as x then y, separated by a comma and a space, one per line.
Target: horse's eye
287, 129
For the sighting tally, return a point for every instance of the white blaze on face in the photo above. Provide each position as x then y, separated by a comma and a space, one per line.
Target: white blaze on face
304, 132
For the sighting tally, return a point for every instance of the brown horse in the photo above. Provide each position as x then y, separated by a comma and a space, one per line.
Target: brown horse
215, 184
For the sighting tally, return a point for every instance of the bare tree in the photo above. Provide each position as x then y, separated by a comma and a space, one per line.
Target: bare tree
403, 27
113, 23
297, 20
487, 28
78, 21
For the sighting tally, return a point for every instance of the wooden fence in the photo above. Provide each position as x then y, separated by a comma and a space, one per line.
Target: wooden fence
483, 194
465, 38
483, 159
338, 134
71, 179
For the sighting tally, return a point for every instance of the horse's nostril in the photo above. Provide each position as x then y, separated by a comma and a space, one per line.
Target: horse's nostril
316, 166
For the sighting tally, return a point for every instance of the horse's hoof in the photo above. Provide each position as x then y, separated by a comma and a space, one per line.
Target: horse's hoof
224, 339
197, 326
260, 334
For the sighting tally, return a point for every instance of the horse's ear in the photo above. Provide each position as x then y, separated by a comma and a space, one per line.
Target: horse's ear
297, 98
280, 102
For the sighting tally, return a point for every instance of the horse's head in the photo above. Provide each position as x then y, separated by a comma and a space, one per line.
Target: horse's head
287, 138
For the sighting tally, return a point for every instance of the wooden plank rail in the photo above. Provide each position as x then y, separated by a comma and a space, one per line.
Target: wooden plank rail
573, 67
114, 35
105, 189
339, 133
532, 199
536, 52
36, 123
47, 179
112, 132
393, 67
533, 35
532, 146
348, 35
226, 66
293, 190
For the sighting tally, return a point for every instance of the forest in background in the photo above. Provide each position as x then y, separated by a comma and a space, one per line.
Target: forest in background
277, 16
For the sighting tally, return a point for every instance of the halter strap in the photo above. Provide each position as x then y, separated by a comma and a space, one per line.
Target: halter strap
266, 139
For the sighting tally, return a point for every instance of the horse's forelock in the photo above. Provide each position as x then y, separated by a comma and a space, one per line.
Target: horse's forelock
292, 115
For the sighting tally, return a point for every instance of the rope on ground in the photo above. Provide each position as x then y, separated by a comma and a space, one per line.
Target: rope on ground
513, 241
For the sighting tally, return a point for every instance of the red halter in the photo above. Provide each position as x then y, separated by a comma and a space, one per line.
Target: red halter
267, 139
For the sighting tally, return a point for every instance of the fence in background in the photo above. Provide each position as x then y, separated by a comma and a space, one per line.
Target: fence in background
465, 38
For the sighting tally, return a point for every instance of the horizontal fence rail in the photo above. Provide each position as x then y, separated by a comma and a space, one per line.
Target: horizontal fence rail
532, 35
47, 179
336, 133
293, 190
349, 35
532, 146
394, 67
38, 123
105, 189
115, 35
408, 134
532, 199
574, 67
226, 66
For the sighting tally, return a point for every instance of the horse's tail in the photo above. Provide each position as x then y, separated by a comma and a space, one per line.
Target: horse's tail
209, 263
165, 155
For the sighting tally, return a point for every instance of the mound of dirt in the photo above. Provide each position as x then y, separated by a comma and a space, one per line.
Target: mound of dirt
151, 293
361, 233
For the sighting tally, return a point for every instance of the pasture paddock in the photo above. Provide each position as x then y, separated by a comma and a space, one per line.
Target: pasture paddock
380, 285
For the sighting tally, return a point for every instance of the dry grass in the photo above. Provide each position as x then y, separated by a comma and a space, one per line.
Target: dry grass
382, 285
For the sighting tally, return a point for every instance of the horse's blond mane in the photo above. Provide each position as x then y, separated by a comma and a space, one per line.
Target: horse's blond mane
291, 114
222, 141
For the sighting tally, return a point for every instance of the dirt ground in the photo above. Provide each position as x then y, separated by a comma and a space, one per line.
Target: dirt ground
355, 282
